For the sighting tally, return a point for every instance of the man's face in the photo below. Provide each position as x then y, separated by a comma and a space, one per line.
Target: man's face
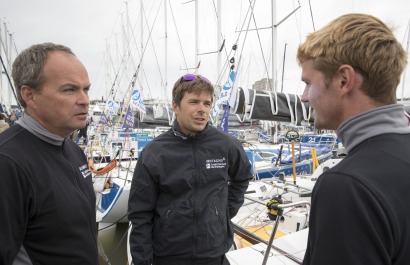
61, 105
321, 97
193, 112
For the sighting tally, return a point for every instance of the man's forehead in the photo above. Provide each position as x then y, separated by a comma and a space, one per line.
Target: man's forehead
197, 93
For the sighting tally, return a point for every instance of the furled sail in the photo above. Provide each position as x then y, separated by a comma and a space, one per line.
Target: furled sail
271, 106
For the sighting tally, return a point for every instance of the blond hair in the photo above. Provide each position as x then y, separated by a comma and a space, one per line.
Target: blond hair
363, 42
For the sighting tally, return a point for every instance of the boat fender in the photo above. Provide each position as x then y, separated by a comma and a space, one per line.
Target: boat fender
132, 152
272, 206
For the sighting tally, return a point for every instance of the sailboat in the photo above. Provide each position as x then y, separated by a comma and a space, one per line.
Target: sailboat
123, 130
272, 225
8, 96
302, 216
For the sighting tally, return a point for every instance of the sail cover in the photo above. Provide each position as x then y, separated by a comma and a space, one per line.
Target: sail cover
271, 106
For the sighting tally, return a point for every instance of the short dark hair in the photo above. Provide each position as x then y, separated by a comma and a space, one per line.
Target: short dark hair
28, 66
182, 86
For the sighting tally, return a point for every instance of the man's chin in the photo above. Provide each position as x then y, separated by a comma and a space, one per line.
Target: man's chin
199, 128
80, 124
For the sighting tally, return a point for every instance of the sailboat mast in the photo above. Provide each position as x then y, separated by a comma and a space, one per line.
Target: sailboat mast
196, 36
6, 45
166, 53
8, 96
219, 37
274, 49
142, 33
10, 40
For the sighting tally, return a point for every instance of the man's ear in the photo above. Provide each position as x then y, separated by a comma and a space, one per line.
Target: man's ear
28, 95
175, 108
347, 78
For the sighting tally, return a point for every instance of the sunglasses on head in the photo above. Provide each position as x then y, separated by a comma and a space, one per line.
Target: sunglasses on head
190, 77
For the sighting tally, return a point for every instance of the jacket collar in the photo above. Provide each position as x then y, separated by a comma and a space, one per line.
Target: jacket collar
178, 133
33, 126
381, 120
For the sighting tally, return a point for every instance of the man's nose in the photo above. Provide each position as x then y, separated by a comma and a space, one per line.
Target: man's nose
304, 97
83, 98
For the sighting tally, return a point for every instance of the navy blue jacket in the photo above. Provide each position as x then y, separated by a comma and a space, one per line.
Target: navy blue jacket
184, 192
361, 207
47, 201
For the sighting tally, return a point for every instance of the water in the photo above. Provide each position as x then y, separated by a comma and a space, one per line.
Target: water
113, 244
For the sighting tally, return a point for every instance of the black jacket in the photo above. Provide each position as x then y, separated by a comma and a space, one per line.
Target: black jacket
47, 201
184, 193
360, 208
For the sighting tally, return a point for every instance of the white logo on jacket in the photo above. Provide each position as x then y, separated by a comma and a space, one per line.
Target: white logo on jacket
85, 170
215, 163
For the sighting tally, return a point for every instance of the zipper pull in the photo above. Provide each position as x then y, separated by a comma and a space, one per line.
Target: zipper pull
167, 215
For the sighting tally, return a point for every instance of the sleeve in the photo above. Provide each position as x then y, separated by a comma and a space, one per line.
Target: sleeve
141, 207
239, 177
348, 224
16, 207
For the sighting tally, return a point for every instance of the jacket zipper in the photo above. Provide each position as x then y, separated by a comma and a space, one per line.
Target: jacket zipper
220, 219
195, 195
81, 190
161, 225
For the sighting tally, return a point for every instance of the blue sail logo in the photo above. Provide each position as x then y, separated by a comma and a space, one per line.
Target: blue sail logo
136, 95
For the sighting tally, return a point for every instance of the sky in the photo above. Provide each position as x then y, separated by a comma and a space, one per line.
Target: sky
123, 47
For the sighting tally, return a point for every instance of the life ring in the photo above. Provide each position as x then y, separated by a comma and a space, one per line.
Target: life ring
103, 170
292, 135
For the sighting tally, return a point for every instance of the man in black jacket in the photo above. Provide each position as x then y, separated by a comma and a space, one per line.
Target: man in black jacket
188, 184
360, 208
47, 201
